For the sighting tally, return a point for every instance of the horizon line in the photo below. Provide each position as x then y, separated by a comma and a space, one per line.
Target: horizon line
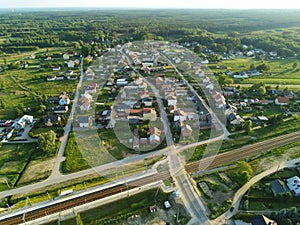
132, 7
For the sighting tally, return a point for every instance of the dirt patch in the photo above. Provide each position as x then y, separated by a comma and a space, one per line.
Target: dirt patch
37, 170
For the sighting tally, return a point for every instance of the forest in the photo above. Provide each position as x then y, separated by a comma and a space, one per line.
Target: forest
218, 30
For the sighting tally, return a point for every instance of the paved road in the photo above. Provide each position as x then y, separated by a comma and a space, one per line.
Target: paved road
176, 165
213, 115
56, 174
240, 193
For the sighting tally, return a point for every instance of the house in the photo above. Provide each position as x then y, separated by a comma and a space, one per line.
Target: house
21, 123
153, 208
91, 88
53, 100
279, 187
55, 68
209, 86
293, 184
276, 92
121, 82
147, 101
143, 141
241, 75
273, 53
186, 130
173, 108
85, 106
24, 65
235, 119
263, 220
66, 56
229, 109
154, 130
64, 99
89, 73
51, 78
84, 121
167, 204
49, 121
220, 100
288, 94
192, 116
154, 139
144, 94
60, 109
282, 101
71, 64
229, 91
69, 73
159, 81
172, 100
149, 114
228, 72
179, 115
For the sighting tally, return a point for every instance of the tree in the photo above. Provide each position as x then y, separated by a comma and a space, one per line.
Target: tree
252, 66
185, 66
295, 65
248, 126
86, 50
47, 142
197, 49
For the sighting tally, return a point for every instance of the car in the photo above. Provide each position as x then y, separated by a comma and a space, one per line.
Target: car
231, 209
297, 163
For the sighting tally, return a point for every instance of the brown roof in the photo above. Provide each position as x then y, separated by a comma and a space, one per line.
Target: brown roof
154, 130
283, 100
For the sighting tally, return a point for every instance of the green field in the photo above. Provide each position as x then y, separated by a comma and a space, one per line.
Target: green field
13, 160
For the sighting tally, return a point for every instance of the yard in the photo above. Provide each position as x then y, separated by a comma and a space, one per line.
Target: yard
260, 196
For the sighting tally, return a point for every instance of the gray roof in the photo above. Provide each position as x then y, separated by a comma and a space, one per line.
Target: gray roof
83, 119
278, 187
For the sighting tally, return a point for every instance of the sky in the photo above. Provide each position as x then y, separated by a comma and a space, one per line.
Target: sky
224, 4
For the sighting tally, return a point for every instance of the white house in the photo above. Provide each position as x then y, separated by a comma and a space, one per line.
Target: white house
179, 115
293, 184
66, 56
172, 100
154, 139
71, 64
26, 119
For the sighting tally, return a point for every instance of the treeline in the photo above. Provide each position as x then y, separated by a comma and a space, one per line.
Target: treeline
218, 30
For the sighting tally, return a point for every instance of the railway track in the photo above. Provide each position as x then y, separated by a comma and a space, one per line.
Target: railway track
68, 204
205, 163
241, 153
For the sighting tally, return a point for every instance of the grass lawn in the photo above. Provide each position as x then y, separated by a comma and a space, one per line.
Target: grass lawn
267, 132
281, 70
13, 160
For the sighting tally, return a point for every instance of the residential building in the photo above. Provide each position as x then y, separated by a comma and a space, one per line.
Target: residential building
263, 220
60, 109
282, 101
23, 121
49, 121
84, 121
186, 130
293, 184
